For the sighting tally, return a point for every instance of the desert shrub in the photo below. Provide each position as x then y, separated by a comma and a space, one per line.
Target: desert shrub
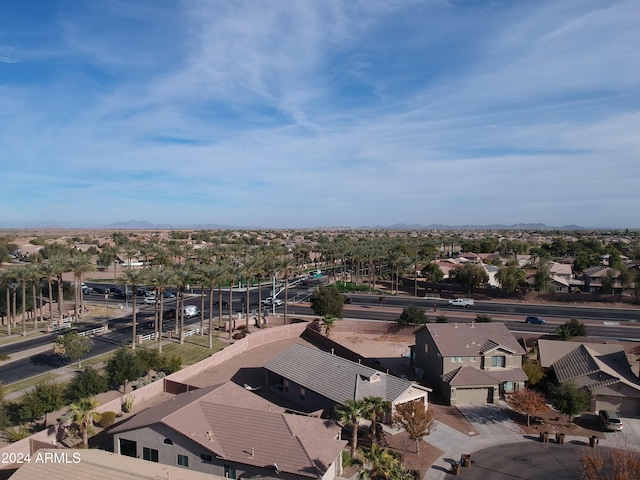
87, 384
170, 364
442, 319
107, 419
148, 358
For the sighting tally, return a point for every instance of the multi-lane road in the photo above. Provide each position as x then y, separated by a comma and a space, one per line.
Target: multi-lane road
622, 324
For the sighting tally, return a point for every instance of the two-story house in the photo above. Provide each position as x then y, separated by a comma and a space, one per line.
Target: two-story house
470, 362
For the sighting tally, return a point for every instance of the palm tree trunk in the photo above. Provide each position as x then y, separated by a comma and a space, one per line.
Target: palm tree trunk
202, 309
133, 316
210, 316
8, 298
24, 308
60, 297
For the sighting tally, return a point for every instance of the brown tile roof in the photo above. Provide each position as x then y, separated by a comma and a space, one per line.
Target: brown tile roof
468, 375
469, 339
249, 430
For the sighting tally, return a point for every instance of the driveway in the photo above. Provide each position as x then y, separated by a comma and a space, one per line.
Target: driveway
489, 419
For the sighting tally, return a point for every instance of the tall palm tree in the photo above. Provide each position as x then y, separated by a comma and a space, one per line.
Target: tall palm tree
135, 278
183, 276
7, 281
349, 414
249, 268
48, 271
61, 265
34, 280
23, 276
79, 263
161, 277
233, 271
286, 265
83, 414
208, 275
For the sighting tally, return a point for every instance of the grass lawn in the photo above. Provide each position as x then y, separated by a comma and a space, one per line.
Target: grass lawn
350, 287
194, 349
31, 382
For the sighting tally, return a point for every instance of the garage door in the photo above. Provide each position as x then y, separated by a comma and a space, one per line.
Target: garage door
472, 395
624, 406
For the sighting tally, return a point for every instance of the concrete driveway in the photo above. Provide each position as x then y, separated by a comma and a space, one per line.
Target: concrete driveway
489, 419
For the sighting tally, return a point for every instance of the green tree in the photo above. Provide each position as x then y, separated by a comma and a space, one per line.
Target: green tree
570, 400
349, 414
327, 301
83, 414
542, 278
432, 273
570, 329
328, 323
86, 384
381, 464
510, 277
45, 398
374, 408
534, 371
416, 420
123, 367
73, 346
470, 275
412, 315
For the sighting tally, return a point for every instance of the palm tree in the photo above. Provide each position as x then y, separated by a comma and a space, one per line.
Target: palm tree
183, 276
381, 464
22, 275
232, 273
48, 270
328, 322
286, 266
374, 408
34, 279
7, 281
208, 275
83, 414
161, 278
349, 414
79, 264
249, 268
60, 265
135, 278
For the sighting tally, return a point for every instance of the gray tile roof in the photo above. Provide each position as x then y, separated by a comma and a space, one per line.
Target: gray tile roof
551, 350
335, 377
576, 363
468, 339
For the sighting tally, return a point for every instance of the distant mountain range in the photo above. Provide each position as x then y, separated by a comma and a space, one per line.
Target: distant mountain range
143, 225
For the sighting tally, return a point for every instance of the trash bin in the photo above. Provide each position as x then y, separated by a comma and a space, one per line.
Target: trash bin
466, 460
455, 468
560, 438
544, 437
593, 441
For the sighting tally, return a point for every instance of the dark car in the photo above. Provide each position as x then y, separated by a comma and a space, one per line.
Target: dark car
100, 290
537, 320
87, 290
120, 295
141, 292
151, 325
224, 303
346, 299
169, 295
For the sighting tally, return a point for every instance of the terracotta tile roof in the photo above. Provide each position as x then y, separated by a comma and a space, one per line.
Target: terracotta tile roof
468, 339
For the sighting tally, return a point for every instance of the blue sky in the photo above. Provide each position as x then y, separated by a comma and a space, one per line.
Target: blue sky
313, 113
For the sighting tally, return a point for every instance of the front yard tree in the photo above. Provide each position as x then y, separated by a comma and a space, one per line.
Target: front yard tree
381, 464
412, 315
528, 402
570, 400
328, 322
570, 329
617, 463
471, 275
123, 367
83, 414
73, 346
416, 420
349, 414
327, 301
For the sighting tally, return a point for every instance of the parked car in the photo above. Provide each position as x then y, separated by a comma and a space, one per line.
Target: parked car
537, 320
610, 420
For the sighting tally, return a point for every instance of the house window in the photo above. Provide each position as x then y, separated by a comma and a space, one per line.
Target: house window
302, 393
508, 386
167, 441
286, 386
183, 460
205, 457
454, 360
473, 358
150, 454
229, 471
459, 359
498, 361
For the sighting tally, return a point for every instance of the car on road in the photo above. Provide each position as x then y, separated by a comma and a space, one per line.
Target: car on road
610, 420
224, 303
189, 312
168, 294
100, 290
151, 300
87, 290
269, 301
346, 299
461, 302
120, 295
151, 325
536, 320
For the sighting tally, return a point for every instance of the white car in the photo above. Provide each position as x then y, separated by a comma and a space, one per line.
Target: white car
151, 300
271, 301
461, 302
